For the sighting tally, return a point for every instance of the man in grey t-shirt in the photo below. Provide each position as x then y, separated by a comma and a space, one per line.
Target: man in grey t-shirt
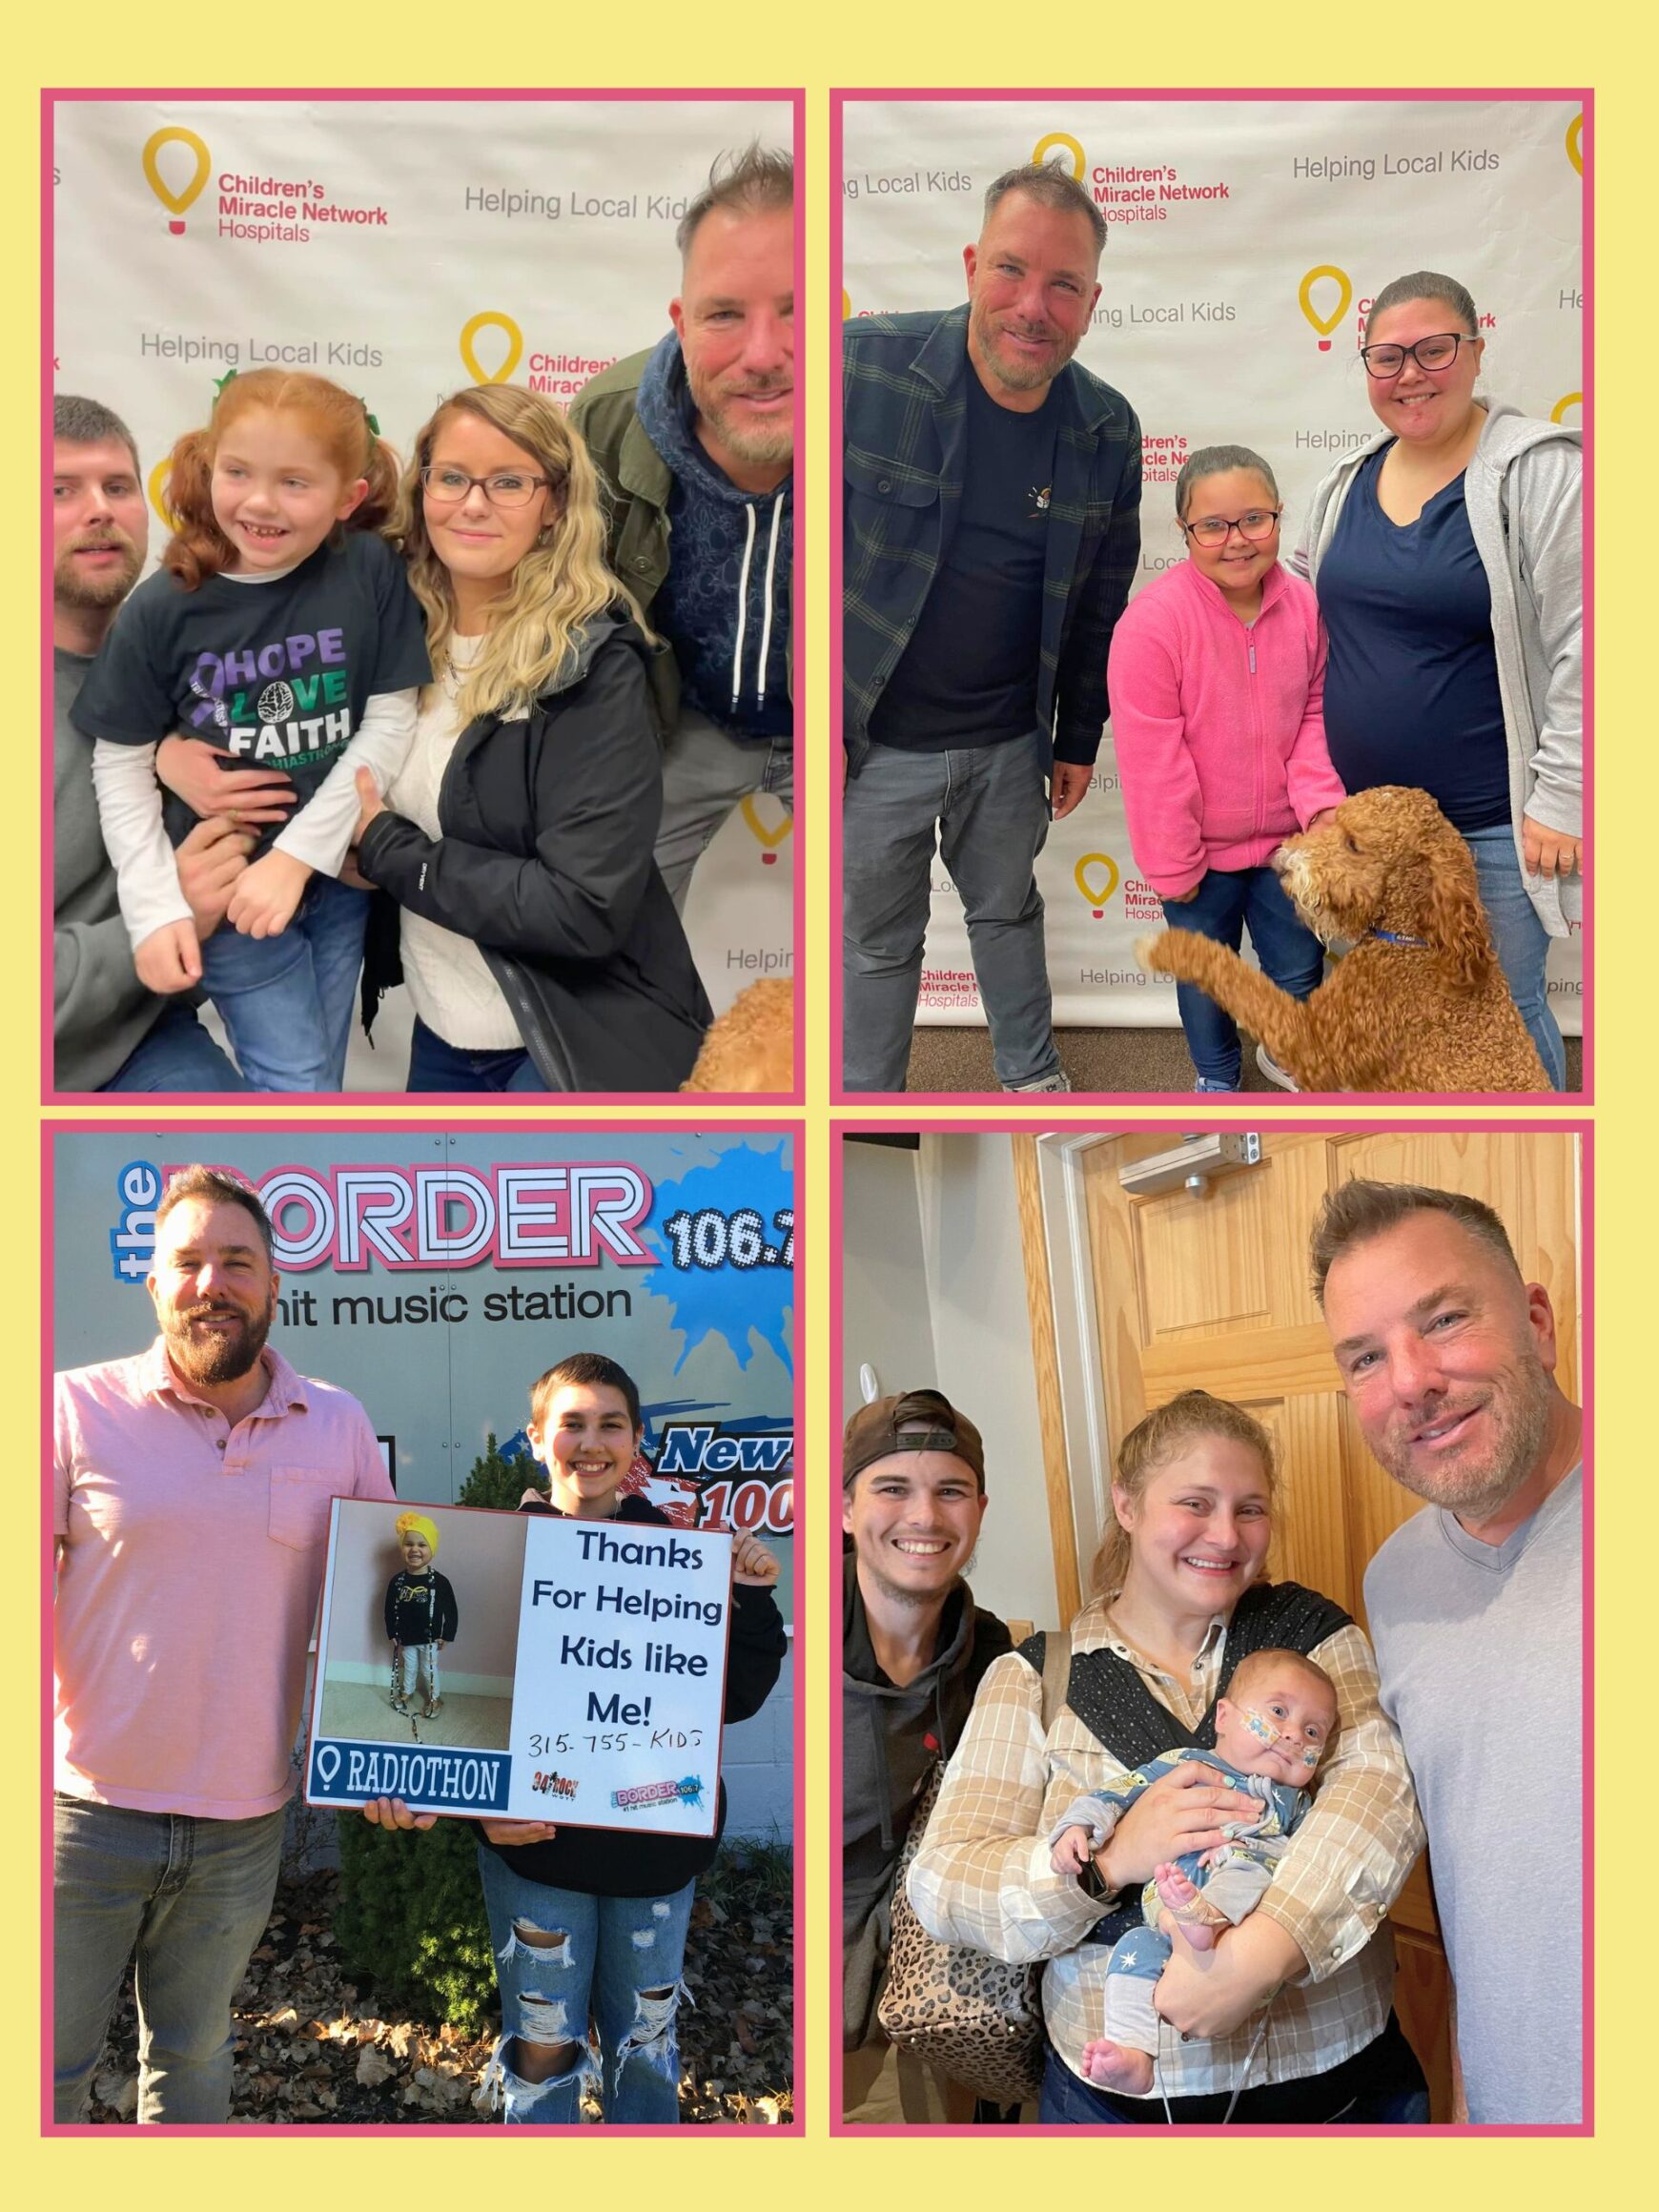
1476, 1608
108, 1032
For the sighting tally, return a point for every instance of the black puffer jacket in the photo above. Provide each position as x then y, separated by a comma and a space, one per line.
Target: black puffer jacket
891, 1741
545, 862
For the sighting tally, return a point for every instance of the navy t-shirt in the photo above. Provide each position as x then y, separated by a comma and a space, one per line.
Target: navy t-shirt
969, 675
276, 674
1411, 685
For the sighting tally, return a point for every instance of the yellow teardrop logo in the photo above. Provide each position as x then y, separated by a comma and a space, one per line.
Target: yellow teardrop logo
1060, 142
1324, 324
176, 202
1575, 143
1097, 894
1568, 399
491, 319
769, 839
155, 484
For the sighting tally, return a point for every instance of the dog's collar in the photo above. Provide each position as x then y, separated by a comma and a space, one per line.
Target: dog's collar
1394, 937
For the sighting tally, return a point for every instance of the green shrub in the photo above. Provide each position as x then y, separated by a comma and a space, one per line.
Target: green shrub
412, 1919
496, 1482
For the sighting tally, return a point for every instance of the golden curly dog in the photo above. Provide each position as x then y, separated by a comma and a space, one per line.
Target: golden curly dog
1420, 1002
752, 1046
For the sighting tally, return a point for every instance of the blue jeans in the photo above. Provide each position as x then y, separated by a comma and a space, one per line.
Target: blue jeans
437, 1066
286, 1002
1224, 905
194, 1896
1381, 2086
179, 1055
617, 1960
1519, 939
990, 808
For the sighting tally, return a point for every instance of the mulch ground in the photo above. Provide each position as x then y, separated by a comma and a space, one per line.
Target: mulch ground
310, 2045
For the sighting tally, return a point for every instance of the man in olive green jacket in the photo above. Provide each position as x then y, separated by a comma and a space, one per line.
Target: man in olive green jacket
694, 442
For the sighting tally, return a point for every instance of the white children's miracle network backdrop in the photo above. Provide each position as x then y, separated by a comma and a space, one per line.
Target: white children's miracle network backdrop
422, 245
1245, 240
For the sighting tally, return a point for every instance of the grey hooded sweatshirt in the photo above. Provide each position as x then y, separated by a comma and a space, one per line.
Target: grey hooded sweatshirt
891, 1741
1523, 490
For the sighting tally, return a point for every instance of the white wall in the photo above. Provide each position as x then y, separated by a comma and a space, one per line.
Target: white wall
975, 1276
885, 1299
933, 1291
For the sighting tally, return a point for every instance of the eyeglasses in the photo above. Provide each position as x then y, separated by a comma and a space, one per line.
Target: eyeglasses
449, 486
1428, 353
1214, 530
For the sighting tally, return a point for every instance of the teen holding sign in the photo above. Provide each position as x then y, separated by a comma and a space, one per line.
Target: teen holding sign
590, 1923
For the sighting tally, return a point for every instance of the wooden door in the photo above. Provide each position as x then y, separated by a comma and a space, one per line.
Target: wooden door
1210, 1290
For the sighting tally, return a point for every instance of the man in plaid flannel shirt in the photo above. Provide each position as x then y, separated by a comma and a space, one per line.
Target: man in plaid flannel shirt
993, 526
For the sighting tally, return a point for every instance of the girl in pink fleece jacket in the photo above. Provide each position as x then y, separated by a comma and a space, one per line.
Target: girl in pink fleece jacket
1216, 677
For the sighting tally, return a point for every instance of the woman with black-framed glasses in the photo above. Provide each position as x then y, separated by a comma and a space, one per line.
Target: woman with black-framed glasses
540, 946
1447, 557
1214, 675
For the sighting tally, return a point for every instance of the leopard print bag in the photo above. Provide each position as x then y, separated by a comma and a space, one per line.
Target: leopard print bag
971, 2016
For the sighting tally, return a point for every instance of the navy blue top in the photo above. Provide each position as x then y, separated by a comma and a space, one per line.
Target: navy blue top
969, 675
1411, 689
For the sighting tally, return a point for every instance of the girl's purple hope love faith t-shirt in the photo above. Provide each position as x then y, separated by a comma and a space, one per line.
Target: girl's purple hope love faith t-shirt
274, 674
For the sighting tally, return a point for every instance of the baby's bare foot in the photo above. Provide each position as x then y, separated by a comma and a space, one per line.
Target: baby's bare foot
1113, 2067
1183, 1907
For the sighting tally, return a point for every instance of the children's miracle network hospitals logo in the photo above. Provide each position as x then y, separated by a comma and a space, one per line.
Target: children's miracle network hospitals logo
559, 375
768, 836
1315, 287
265, 210
1097, 876
1125, 191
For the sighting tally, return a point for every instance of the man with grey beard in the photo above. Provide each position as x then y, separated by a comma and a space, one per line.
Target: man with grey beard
991, 525
110, 1034
694, 445
1476, 1608
192, 1492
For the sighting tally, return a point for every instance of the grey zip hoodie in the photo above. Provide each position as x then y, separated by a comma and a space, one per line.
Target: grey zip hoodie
1524, 492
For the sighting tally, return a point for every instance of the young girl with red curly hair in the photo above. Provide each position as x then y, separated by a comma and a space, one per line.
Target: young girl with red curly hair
280, 631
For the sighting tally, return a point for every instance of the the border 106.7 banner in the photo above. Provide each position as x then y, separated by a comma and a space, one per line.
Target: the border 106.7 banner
435, 1275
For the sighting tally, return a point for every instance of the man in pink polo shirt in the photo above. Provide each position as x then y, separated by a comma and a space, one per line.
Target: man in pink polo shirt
192, 1488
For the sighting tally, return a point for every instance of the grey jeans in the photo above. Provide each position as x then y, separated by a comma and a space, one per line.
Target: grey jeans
192, 1897
705, 775
987, 806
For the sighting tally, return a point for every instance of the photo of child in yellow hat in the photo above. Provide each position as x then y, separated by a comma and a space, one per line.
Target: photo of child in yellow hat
420, 1615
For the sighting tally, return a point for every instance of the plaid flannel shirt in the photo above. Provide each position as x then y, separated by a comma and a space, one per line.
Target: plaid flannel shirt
902, 423
982, 1875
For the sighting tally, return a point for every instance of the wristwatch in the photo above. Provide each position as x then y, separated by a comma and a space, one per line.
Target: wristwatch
1095, 1884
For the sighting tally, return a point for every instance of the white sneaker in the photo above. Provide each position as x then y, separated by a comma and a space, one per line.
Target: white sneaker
1272, 1069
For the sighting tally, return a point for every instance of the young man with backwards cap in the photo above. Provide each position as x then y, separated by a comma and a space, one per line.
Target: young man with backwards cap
915, 1649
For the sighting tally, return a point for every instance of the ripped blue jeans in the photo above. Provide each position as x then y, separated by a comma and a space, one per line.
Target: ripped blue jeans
564, 1956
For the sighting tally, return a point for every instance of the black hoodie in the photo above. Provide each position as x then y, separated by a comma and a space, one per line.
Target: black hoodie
891, 1740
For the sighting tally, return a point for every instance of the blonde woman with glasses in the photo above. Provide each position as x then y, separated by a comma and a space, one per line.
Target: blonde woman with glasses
540, 947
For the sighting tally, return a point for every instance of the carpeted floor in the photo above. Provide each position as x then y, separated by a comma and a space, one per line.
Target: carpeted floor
1099, 1060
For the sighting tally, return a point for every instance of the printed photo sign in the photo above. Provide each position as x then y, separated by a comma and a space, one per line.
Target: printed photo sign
526, 1667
